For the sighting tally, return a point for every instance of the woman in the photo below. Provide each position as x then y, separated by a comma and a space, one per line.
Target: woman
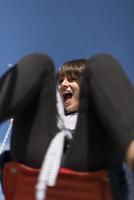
104, 132
68, 78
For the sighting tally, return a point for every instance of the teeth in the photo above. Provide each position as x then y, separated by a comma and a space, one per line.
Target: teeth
66, 92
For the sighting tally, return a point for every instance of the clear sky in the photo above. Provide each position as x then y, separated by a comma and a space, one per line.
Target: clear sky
66, 30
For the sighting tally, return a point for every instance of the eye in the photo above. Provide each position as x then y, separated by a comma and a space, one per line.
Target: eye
71, 79
60, 81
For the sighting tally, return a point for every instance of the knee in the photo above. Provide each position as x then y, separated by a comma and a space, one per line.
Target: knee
103, 63
103, 67
37, 63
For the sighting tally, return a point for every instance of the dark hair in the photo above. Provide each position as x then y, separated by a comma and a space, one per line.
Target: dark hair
72, 68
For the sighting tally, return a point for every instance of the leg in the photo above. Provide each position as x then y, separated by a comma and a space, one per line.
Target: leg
106, 116
27, 93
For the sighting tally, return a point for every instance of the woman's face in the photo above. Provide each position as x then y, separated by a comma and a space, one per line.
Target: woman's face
69, 90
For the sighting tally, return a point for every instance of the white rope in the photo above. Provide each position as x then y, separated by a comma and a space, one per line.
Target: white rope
52, 160
8, 129
51, 165
6, 136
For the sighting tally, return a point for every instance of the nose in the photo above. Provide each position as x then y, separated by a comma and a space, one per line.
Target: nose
65, 83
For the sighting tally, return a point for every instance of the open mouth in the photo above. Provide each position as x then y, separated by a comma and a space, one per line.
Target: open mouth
67, 96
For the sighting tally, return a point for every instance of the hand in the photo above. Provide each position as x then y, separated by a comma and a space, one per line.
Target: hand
130, 155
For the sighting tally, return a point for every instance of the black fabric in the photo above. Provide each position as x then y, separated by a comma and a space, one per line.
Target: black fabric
27, 93
106, 117
106, 114
120, 188
105, 124
129, 175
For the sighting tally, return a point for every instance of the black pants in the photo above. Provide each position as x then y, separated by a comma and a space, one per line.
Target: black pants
106, 114
106, 122
27, 93
106, 117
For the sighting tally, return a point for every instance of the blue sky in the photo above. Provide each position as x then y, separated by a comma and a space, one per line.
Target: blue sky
66, 30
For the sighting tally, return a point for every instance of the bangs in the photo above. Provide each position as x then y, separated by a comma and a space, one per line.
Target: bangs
67, 71
73, 68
